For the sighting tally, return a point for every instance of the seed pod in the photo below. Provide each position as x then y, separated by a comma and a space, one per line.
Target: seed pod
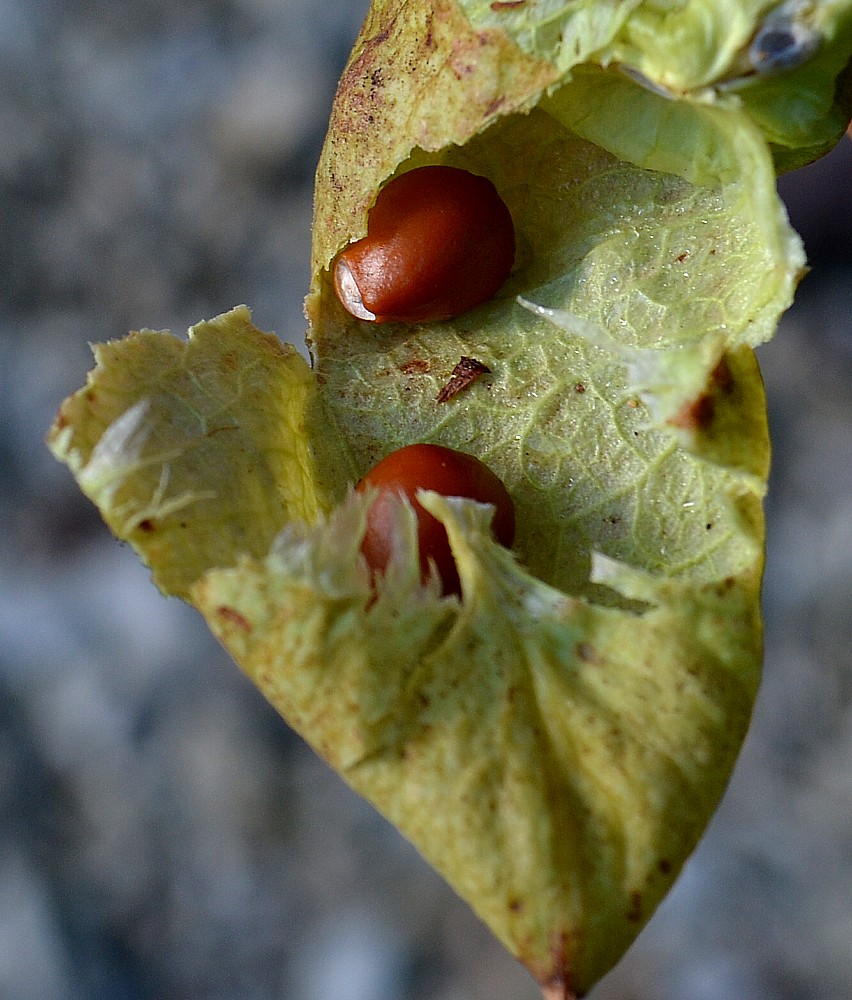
439, 241
442, 470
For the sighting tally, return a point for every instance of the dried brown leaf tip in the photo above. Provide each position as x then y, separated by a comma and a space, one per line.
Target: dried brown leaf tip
557, 991
507, 4
466, 372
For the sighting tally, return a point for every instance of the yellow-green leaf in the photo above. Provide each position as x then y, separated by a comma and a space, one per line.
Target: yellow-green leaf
555, 740
196, 451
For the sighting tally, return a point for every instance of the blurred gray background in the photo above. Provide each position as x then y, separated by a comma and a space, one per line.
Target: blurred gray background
162, 833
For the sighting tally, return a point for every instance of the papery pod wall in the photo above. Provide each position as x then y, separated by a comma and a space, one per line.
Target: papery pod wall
555, 740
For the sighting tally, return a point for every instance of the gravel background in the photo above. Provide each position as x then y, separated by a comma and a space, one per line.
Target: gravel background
162, 834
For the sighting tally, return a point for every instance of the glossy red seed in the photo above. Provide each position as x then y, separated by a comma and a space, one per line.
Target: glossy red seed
439, 241
442, 470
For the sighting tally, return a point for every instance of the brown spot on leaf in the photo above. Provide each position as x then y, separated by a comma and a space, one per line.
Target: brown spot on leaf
465, 57
461, 69
218, 430
722, 378
697, 414
466, 372
499, 5
417, 366
233, 617
358, 98
587, 653
634, 914
579, 387
147, 524
665, 866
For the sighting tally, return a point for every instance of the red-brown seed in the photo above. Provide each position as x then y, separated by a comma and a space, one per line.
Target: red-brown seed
439, 241
442, 470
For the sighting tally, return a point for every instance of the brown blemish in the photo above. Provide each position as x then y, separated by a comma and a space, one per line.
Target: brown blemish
722, 378
461, 69
516, 905
557, 984
466, 372
351, 84
233, 617
465, 58
499, 5
418, 366
579, 387
634, 914
665, 866
697, 414
146, 524
587, 653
